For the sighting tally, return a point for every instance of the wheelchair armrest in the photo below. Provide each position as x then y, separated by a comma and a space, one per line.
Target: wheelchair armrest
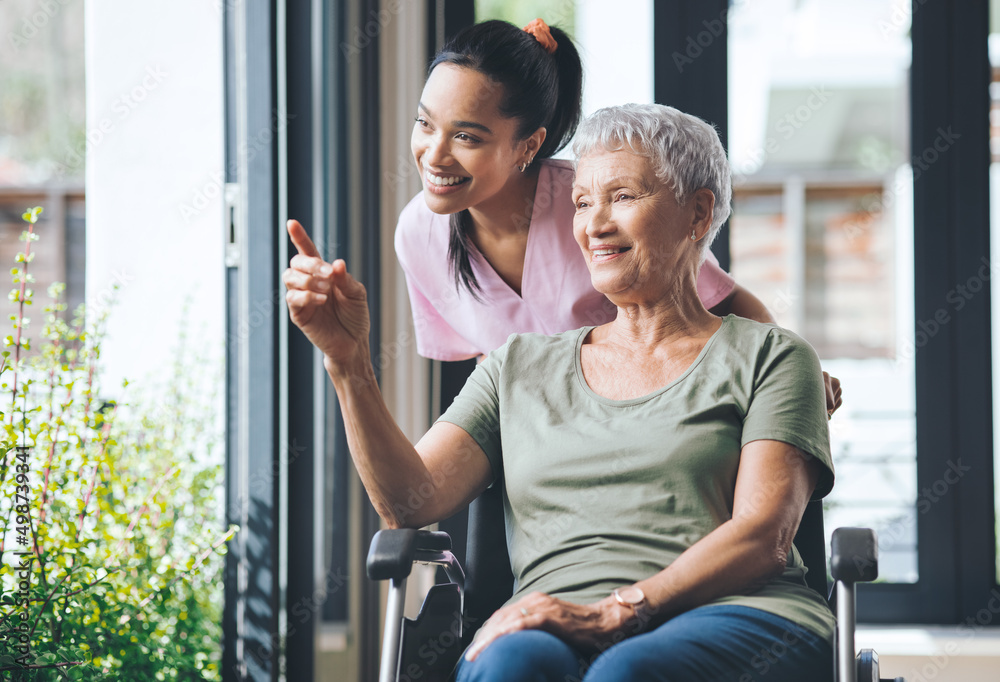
854, 555
392, 552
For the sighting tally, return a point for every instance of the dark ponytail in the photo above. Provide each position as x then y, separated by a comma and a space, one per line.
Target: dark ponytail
567, 113
540, 90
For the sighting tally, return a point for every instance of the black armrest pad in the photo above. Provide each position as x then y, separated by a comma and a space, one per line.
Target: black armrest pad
391, 554
854, 555
437, 540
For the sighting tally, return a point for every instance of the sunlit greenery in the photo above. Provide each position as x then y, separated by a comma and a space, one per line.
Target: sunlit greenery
123, 526
561, 13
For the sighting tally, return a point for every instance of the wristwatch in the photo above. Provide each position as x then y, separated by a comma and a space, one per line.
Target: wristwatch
632, 597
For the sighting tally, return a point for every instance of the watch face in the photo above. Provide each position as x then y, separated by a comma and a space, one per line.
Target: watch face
630, 595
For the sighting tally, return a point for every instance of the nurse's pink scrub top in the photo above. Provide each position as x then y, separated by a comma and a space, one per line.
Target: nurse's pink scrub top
556, 293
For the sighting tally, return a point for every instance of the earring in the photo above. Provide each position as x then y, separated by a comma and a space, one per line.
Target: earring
523, 167
694, 237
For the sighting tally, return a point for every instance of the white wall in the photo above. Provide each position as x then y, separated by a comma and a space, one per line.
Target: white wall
154, 178
616, 48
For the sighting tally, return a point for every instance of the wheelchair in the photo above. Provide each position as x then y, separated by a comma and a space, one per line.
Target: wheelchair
428, 647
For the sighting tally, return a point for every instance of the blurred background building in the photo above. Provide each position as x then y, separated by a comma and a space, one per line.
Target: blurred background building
42, 140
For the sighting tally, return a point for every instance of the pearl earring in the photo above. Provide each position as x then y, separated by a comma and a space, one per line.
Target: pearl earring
694, 237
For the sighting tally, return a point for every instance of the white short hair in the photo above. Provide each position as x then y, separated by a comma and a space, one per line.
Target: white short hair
685, 151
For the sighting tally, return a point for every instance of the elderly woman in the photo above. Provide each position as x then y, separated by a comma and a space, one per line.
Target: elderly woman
655, 468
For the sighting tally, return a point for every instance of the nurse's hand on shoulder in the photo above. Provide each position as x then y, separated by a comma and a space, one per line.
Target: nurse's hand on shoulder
834, 394
324, 301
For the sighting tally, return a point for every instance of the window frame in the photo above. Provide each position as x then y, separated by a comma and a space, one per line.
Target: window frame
950, 79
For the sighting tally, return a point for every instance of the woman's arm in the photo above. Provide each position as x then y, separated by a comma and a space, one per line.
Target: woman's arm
409, 486
773, 485
742, 303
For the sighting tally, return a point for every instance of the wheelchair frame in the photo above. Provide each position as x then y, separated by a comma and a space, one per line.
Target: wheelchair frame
853, 559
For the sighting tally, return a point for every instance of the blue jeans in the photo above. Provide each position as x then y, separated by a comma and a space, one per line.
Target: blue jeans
708, 644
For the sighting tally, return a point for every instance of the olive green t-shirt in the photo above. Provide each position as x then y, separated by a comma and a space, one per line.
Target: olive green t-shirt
602, 493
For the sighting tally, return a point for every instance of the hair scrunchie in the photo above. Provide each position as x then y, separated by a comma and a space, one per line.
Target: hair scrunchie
540, 30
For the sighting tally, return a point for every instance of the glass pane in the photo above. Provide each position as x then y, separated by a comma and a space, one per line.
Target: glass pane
994, 46
822, 230
760, 246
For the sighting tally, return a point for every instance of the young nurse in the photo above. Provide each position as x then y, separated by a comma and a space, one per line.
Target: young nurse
487, 247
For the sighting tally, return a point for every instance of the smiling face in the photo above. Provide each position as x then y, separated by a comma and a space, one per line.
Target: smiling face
466, 151
635, 236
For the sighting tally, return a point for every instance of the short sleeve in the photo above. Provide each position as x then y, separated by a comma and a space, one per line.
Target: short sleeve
788, 402
436, 339
714, 283
476, 409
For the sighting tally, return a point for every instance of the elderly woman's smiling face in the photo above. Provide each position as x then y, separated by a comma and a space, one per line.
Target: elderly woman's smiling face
635, 236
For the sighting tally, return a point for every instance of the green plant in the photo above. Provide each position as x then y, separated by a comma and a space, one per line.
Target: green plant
122, 514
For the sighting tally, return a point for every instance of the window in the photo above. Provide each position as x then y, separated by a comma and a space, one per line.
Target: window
820, 231
859, 217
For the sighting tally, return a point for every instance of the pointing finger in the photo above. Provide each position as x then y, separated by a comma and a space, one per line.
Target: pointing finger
301, 240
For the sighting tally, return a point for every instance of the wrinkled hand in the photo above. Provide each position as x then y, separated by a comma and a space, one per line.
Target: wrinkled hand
833, 394
587, 627
324, 301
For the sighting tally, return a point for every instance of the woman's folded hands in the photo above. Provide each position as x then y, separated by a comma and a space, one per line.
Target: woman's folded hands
590, 628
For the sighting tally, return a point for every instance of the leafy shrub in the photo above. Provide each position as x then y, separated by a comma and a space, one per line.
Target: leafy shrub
122, 523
